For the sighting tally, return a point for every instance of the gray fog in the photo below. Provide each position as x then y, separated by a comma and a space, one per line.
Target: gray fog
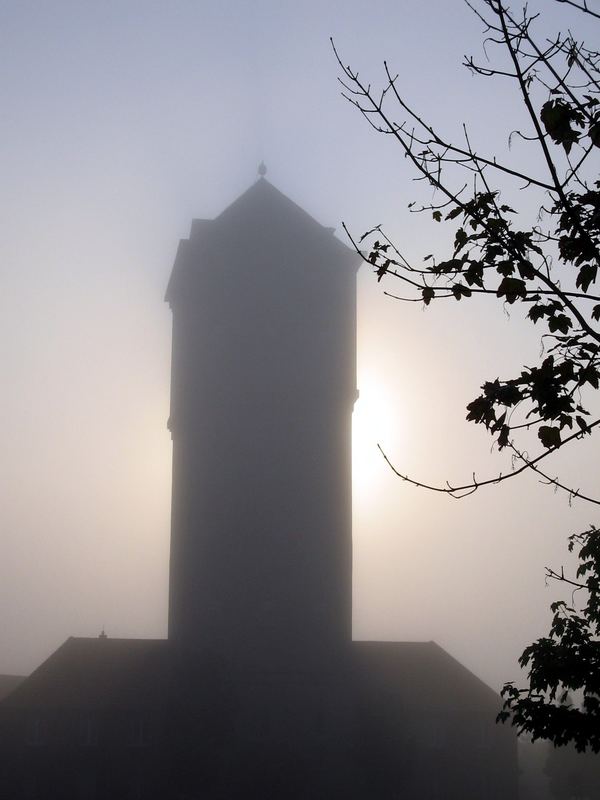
121, 123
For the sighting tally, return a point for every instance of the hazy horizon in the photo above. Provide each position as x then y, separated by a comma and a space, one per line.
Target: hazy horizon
123, 123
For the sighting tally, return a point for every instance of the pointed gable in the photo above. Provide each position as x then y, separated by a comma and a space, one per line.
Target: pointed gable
260, 217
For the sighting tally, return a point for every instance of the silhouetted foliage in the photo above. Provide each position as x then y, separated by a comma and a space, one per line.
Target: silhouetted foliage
550, 269
562, 701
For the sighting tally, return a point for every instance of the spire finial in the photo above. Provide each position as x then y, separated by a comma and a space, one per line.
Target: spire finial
262, 169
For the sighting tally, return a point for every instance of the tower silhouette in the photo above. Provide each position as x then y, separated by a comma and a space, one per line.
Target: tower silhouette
263, 385
259, 690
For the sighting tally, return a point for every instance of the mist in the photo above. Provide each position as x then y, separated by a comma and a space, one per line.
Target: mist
122, 123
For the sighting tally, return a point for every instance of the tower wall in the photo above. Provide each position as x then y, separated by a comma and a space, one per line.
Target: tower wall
263, 385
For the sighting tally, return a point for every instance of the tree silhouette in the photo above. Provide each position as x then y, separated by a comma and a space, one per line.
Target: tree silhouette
550, 270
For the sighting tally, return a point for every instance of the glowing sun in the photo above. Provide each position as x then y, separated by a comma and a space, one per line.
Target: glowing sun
375, 421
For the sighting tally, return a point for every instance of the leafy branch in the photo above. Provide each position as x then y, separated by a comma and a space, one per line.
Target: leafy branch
549, 269
552, 269
566, 663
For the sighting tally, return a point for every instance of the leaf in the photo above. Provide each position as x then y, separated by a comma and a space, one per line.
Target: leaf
512, 289
508, 394
428, 294
587, 274
536, 312
589, 375
481, 410
549, 436
582, 423
492, 251
474, 274
458, 290
460, 240
454, 213
382, 269
437, 215
558, 118
526, 270
565, 421
454, 265
596, 312
503, 438
594, 133
559, 322
505, 267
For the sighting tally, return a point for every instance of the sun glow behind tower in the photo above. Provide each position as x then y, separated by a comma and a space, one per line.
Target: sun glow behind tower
376, 421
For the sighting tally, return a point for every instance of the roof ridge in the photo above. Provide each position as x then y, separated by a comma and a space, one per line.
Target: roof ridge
262, 185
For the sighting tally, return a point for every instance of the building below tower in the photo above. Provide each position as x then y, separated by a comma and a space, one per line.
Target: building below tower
129, 718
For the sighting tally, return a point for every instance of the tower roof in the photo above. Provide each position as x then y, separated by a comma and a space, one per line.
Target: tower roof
263, 194
266, 212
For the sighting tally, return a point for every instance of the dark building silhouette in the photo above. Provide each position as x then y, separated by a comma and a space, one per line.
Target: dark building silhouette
263, 385
259, 690
8, 683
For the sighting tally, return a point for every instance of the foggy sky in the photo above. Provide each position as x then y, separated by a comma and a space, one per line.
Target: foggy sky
121, 122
